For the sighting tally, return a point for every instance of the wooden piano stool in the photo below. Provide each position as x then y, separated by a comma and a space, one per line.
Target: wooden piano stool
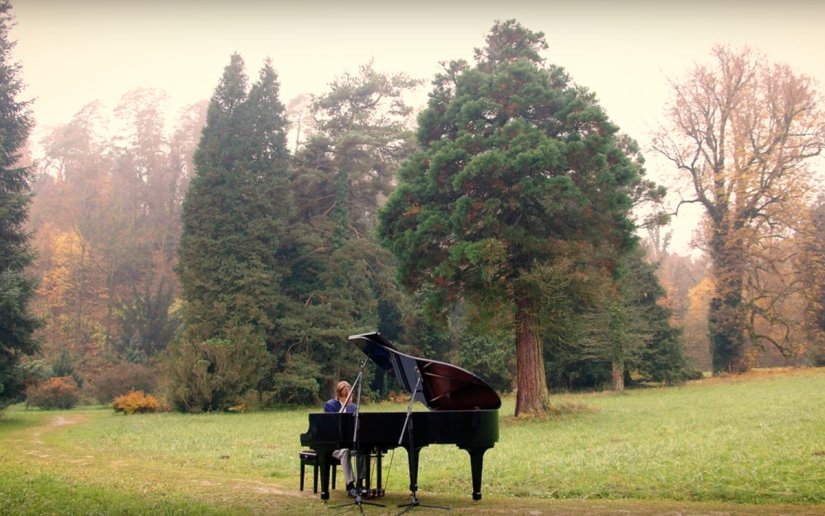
311, 458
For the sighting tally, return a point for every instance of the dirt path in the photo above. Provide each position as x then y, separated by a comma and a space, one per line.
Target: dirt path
31, 441
155, 476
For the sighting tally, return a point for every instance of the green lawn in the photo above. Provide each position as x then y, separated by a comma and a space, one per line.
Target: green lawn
752, 444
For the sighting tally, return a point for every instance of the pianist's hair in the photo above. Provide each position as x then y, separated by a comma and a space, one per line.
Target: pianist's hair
339, 389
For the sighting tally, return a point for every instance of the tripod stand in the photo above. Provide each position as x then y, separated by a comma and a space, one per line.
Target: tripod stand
359, 459
412, 452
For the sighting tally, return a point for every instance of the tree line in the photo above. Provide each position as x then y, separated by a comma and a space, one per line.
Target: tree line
497, 232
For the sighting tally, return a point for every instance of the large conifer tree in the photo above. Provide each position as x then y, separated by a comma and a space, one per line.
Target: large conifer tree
340, 177
518, 167
234, 217
16, 322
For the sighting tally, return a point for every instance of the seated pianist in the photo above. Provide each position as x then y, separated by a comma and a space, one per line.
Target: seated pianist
341, 403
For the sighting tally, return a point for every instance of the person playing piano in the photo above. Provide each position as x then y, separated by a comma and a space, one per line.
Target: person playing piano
342, 403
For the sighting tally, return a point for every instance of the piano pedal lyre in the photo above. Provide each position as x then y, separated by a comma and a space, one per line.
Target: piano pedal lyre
375, 493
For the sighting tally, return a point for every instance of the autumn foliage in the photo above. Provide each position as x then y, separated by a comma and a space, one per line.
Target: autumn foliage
743, 133
136, 402
60, 392
121, 379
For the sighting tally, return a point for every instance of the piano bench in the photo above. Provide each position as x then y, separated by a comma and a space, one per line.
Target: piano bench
311, 458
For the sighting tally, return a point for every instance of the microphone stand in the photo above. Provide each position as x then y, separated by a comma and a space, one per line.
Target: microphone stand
359, 501
412, 452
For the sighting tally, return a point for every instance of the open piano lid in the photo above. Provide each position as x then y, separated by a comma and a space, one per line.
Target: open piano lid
443, 386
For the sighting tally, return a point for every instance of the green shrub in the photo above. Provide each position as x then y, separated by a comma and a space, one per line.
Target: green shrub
294, 389
214, 374
122, 378
136, 402
35, 371
296, 384
60, 392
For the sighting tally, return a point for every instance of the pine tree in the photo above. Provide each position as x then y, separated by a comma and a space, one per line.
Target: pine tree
235, 209
341, 175
16, 289
519, 165
234, 218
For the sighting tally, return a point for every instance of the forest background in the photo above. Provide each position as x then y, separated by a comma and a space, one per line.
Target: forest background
107, 223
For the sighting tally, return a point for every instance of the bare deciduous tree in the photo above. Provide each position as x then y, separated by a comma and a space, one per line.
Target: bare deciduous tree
743, 132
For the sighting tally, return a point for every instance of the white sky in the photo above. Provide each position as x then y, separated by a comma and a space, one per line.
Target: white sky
75, 52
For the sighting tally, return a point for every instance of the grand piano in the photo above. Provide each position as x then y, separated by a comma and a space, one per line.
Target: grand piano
463, 411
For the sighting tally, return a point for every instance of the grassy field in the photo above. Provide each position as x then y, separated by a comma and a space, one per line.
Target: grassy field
749, 445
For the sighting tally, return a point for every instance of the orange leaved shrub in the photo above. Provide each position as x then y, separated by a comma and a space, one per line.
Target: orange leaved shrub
136, 402
59, 392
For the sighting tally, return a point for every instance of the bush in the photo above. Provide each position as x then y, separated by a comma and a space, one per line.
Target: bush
214, 375
121, 379
296, 390
136, 402
60, 392
35, 371
296, 384
63, 365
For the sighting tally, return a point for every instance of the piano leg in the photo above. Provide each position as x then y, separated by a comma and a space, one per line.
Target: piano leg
379, 488
413, 463
362, 466
477, 466
324, 464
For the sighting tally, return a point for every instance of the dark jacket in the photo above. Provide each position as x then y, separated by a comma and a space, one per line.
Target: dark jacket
334, 405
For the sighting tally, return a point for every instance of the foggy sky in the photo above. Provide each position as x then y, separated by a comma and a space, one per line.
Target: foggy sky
75, 52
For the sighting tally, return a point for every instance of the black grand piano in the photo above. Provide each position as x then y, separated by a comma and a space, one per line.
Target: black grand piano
463, 411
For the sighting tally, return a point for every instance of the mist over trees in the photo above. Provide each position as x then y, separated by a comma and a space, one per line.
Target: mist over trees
222, 257
107, 178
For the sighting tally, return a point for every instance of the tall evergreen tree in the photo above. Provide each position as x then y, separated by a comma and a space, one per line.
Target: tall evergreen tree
234, 217
340, 177
519, 165
233, 214
16, 289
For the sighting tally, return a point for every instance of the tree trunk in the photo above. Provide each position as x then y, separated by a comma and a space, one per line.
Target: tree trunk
618, 341
617, 375
532, 396
726, 316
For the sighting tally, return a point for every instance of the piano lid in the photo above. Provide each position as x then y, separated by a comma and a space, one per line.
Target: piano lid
443, 386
